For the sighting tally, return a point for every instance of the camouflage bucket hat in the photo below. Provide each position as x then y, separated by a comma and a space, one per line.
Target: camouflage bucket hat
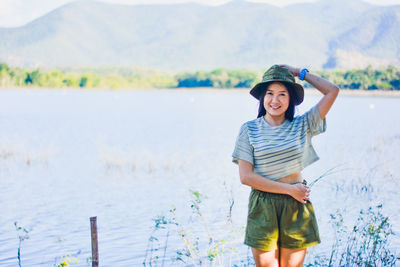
279, 74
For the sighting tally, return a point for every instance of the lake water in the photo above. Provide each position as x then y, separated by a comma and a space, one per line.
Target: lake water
128, 156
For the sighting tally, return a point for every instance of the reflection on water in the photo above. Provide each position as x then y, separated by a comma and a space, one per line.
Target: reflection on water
127, 157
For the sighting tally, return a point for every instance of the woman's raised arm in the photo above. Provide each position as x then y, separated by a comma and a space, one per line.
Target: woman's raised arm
328, 89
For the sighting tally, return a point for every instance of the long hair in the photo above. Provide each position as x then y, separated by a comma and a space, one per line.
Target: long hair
289, 114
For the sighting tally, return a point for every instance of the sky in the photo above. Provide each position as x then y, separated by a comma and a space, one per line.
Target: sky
14, 13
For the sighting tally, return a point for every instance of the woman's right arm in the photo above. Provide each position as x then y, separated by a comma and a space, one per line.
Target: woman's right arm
248, 177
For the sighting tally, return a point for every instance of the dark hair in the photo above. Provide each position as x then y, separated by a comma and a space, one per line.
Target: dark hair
289, 114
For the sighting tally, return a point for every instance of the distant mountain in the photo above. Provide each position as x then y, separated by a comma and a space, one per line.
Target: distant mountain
239, 34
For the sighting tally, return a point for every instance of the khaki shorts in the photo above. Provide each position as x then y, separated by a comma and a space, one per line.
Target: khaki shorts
276, 220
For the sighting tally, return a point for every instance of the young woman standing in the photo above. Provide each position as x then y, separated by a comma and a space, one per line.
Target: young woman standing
271, 151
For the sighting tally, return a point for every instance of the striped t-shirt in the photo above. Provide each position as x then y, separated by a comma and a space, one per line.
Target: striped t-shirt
277, 151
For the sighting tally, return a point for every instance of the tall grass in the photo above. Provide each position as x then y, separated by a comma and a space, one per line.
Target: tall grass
23, 234
59, 261
366, 244
208, 247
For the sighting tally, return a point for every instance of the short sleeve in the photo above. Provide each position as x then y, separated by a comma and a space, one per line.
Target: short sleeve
314, 122
243, 149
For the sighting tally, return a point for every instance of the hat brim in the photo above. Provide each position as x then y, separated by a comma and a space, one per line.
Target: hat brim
258, 90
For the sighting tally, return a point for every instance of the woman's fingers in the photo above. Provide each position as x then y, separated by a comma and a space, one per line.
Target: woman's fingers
293, 70
302, 193
303, 201
306, 194
305, 188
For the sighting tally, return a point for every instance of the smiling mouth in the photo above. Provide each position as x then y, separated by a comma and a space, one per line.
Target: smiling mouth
275, 108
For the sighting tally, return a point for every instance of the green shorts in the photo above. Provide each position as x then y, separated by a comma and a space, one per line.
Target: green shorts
276, 220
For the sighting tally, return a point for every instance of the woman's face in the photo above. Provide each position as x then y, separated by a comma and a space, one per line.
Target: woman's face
276, 100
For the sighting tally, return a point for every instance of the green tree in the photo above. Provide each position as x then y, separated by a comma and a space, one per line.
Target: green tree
4, 66
34, 77
83, 81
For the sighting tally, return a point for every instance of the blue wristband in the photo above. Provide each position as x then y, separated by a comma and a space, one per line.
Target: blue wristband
302, 74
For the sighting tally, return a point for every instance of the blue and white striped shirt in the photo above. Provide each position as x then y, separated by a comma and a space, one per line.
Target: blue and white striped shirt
277, 151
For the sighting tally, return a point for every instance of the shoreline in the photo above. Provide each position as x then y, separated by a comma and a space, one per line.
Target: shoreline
307, 91
349, 92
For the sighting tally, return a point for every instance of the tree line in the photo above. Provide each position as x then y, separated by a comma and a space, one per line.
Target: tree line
116, 78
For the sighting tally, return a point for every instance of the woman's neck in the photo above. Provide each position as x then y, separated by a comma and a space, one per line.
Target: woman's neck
274, 120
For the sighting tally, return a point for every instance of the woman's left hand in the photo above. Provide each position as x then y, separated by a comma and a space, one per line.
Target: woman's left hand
293, 70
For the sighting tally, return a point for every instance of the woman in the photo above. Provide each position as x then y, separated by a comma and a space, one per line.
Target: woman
271, 151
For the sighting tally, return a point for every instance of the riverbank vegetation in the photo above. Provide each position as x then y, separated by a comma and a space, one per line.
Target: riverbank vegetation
387, 79
366, 243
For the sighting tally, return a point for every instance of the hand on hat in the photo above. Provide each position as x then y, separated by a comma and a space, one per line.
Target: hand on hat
293, 70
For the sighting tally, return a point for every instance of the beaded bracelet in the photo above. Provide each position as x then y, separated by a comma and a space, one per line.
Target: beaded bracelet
302, 74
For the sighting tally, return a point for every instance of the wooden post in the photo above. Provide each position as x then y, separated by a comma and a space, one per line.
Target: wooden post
95, 248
